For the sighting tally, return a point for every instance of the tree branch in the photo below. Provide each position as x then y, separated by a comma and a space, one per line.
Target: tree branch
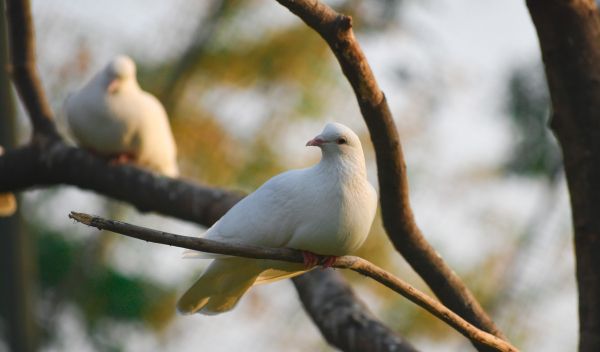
24, 71
398, 218
56, 163
17, 281
333, 305
569, 36
183, 70
357, 264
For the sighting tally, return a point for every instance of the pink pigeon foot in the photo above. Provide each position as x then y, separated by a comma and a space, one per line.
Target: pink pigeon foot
121, 158
310, 259
328, 263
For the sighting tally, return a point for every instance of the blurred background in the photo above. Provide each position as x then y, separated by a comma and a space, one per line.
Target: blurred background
246, 84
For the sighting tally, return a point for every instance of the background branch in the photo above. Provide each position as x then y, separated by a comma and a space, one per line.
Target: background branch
17, 285
398, 218
184, 68
333, 304
569, 36
57, 163
24, 70
357, 264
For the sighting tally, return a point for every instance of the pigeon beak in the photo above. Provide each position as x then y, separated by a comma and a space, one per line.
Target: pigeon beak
113, 86
315, 142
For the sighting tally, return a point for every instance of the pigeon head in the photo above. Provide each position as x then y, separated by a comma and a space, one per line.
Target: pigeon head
337, 139
119, 70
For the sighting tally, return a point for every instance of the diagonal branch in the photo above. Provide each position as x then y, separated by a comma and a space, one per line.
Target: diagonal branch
398, 218
353, 263
24, 71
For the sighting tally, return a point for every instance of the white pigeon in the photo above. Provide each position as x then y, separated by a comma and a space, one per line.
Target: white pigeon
8, 202
326, 209
112, 116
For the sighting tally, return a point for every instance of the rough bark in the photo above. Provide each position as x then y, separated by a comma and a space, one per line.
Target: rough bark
569, 36
56, 163
17, 288
398, 218
17, 294
334, 304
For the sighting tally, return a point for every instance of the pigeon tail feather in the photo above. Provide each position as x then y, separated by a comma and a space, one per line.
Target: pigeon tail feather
220, 287
278, 270
169, 169
192, 254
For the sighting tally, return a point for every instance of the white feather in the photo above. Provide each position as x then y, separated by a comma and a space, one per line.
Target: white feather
325, 209
111, 114
192, 254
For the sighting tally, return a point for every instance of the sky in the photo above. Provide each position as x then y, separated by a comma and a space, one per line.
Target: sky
465, 211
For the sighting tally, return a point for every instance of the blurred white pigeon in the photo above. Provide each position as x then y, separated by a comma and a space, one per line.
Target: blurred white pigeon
326, 209
112, 116
8, 202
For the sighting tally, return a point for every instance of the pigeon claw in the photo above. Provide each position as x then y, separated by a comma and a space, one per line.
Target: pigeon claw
121, 158
329, 262
309, 259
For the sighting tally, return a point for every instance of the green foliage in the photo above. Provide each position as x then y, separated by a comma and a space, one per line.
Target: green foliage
281, 57
68, 269
535, 152
55, 257
295, 59
122, 297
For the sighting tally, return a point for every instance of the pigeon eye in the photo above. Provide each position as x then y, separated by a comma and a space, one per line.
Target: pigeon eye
342, 140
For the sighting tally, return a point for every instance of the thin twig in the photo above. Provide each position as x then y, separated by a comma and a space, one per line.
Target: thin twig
357, 264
